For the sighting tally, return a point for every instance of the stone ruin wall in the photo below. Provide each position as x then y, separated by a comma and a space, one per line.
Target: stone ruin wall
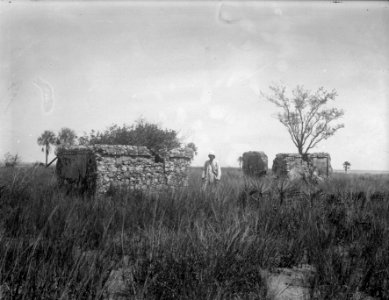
254, 163
99, 167
284, 163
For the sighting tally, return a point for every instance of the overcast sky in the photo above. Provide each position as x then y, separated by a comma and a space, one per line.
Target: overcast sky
197, 68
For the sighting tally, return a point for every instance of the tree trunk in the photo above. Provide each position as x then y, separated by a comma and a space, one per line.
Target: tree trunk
304, 155
300, 149
47, 155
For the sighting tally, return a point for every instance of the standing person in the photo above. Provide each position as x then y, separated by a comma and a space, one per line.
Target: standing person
211, 172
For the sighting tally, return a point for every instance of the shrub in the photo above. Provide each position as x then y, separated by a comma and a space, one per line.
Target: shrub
11, 160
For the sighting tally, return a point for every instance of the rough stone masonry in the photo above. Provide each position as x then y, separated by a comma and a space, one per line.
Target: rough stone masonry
254, 163
293, 164
98, 167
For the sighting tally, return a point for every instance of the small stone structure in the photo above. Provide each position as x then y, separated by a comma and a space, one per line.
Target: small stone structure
293, 165
96, 168
254, 163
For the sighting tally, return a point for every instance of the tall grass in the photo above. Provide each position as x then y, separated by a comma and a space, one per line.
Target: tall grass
189, 244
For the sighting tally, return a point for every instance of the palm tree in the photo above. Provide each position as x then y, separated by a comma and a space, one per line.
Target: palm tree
46, 140
346, 166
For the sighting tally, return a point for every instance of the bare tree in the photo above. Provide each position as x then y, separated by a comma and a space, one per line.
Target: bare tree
46, 140
304, 115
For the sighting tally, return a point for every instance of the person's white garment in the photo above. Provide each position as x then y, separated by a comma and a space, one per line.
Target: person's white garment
211, 172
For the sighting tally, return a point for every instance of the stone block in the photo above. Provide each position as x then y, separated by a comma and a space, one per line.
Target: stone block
143, 151
254, 163
294, 166
179, 153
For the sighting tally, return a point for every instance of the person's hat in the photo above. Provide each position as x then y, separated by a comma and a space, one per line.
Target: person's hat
211, 153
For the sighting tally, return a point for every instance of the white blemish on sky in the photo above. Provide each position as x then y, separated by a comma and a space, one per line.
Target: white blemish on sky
47, 95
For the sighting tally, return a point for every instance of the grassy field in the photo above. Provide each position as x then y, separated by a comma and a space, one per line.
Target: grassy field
190, 244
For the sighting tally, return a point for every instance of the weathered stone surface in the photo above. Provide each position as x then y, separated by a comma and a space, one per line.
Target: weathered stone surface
118, 284
292, 165
181, 153
132, 167
143, 151
254, 163
322, 163
298, 170
289, 284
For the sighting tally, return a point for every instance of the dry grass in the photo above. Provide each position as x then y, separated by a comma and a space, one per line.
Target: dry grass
189, 244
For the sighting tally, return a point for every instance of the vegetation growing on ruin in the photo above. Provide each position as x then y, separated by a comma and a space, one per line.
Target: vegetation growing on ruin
142, 133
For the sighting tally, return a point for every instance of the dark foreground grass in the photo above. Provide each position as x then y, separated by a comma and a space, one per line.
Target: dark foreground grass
189, 244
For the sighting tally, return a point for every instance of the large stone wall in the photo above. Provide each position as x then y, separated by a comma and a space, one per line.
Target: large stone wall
293, 165
96, 168
254, 163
